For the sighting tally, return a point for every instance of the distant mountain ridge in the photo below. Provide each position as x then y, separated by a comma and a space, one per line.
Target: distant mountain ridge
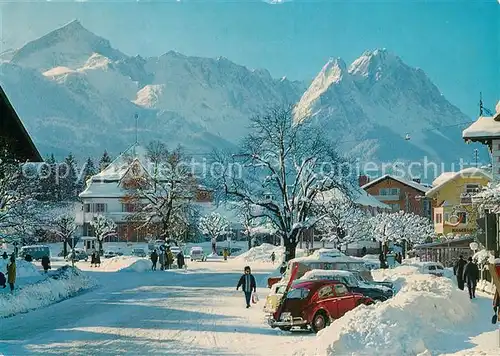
75, 92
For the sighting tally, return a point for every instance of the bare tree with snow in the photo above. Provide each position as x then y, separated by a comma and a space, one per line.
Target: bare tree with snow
103, 227
401, 227
163, 194
213, 225
286, 165
343, 222
64, 227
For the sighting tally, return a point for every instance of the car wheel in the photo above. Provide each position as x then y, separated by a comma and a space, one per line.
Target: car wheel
320, 321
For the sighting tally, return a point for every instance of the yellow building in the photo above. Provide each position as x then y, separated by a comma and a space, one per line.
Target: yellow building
451, 196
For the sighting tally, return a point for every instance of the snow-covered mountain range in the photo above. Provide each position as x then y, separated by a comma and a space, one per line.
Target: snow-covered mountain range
76, 93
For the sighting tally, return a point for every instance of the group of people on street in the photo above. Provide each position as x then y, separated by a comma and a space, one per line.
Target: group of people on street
467, 272
95, 259
166, 259
11, 272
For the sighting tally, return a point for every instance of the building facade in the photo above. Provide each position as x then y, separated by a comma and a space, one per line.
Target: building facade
486, 130
452, 194
400, 194
107, 193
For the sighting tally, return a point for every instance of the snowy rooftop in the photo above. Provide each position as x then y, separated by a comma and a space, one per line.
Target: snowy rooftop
360, 197
484, 126
121, 164
407, 182
447, 177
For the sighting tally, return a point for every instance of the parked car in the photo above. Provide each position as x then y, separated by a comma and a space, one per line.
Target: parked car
314, 305
434, 268
36, 251
110, 254
80, 255
175, 250
139, 252
375, 292
197, 254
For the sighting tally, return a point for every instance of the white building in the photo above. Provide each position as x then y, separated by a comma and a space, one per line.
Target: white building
105, 194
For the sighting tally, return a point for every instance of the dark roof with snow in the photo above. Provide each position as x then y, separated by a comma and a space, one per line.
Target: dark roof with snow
412, 184
13, 133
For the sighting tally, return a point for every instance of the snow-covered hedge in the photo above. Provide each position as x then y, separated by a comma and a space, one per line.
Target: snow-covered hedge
420, 317
23, 268
63, 284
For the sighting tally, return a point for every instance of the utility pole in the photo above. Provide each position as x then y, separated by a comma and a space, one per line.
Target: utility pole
136, 116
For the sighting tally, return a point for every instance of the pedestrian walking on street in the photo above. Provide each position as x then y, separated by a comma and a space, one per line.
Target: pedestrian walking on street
169, 258
92, 259
46, 262
471, 276
11, 272
161, 258
154, 260
273, 257
98, 259
180, 260
458, 270
247, 284
3, 280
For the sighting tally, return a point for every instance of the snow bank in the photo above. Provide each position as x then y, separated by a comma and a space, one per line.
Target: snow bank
142, 265
23, 268
263, 253
65, 283
420, 317
116, 263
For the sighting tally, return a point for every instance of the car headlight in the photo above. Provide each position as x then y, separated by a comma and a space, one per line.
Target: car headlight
286, 316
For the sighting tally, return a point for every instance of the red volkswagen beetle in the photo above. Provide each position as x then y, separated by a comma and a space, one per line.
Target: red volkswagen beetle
315, 304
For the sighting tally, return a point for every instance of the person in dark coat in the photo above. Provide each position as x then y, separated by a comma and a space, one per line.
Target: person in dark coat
283, 268
3, 280
92, 260
471, 276
5, 256
98, 260
154, 260
247, 284
273, 257
46, 263
458, 270
180, 260
381, 258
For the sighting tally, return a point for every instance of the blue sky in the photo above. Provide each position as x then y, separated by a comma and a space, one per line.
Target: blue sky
457, 43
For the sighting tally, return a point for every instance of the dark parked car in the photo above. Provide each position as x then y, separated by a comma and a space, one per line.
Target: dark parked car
375, 292
314, 304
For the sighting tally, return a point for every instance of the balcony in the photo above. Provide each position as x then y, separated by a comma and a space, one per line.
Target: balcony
394, 197
466, 198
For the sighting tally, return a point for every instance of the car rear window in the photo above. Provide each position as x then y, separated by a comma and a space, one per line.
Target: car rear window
340, 290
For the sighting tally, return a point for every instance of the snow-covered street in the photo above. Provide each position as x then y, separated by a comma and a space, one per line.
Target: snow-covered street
199, 312
192, 312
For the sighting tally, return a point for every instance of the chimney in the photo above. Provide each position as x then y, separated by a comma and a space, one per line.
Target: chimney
416, 180
362, 180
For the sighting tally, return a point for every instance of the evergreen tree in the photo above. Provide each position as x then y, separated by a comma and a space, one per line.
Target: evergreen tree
88, 171
67, 179
49, 190
105, 161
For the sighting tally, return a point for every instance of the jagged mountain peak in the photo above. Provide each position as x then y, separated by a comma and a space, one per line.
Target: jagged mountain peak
68, 46
375, 63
